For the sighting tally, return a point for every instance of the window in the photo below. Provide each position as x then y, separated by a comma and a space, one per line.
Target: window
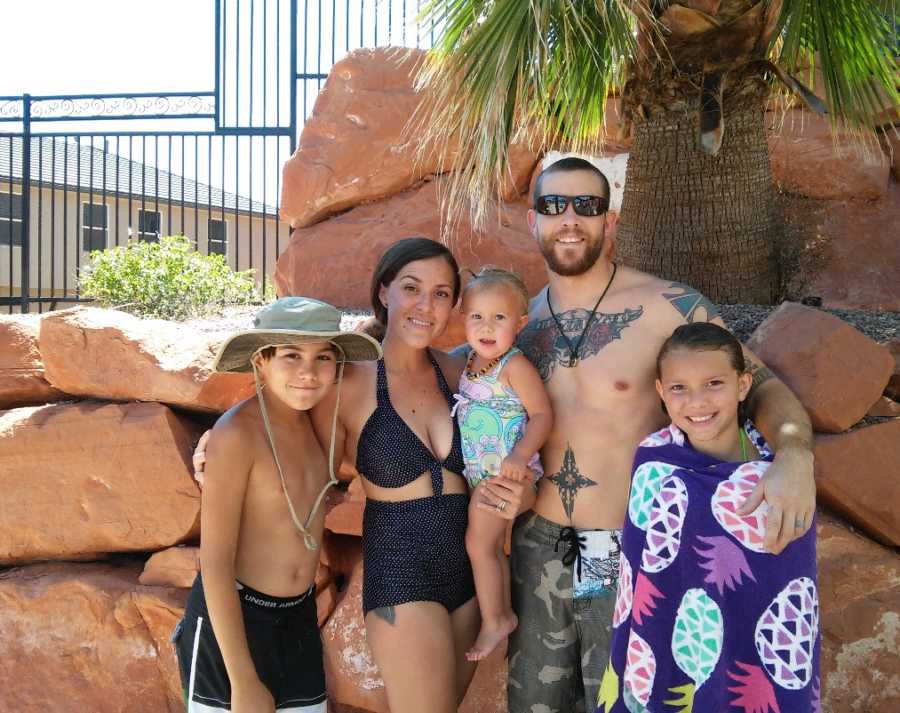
11, 219
148, 226
93, 226
218, 237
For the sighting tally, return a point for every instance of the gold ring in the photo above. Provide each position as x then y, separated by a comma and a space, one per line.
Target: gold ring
501, 506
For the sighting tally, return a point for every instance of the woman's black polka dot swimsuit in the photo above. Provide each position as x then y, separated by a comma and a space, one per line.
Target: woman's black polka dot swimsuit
413, 550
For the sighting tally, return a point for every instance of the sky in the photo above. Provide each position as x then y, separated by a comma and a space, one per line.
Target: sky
109, 46
88, 46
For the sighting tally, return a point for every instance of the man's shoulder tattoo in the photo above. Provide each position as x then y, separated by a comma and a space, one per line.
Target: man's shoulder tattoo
690, 303
570, 481
546, 348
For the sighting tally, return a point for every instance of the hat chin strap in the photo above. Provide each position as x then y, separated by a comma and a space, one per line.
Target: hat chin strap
302, 528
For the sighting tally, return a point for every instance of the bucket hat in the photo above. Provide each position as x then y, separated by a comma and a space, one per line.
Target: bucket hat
293, 320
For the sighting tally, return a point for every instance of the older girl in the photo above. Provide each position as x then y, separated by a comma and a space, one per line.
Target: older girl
706, 619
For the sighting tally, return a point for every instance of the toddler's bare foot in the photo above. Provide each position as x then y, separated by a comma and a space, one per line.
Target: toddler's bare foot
491, 635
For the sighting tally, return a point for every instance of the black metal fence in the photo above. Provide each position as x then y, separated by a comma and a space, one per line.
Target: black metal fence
83, 172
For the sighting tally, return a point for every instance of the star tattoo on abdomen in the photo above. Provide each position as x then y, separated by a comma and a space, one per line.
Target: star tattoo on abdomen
569, 481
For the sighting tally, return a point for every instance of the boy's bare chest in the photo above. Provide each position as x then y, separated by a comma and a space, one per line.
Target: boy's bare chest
304, 472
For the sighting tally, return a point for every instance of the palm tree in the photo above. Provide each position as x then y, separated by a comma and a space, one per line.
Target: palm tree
693, 78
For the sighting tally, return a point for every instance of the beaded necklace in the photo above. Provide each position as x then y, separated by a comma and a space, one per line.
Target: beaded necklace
472, 375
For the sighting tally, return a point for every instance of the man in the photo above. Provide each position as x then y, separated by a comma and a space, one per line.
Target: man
593, 335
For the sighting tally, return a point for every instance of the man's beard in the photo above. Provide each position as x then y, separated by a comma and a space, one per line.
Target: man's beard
592, 253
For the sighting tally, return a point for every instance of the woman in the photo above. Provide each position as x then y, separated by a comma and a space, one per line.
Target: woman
394, 424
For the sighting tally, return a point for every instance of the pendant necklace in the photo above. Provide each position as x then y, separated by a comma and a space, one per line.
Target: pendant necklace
574, 351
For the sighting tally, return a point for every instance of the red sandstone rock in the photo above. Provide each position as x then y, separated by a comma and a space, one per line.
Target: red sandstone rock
326, 601
172, 567
890, 140
885, 408
345, 518
161, 609
807, 160
341, 553
356, 146
862, 262
349, 245
836, 371
76, 637
91, 478
350, 670
859, 598
522, 160
351, 149
455, 333
892, 390
487, 692
112, 355
22, 381
858, 475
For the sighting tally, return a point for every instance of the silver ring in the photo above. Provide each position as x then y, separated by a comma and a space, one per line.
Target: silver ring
501, 505
798, 524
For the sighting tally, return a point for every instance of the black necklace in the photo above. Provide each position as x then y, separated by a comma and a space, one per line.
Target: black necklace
573, 351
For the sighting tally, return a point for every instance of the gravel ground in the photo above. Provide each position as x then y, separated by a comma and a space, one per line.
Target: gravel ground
880, 326
742, 319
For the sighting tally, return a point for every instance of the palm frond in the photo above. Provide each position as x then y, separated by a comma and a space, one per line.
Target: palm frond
855, 45
532, 71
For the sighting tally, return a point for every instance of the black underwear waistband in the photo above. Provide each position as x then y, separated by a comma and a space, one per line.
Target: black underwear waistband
267, 602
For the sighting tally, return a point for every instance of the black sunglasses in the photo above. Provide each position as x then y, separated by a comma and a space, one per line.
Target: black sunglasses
588, 206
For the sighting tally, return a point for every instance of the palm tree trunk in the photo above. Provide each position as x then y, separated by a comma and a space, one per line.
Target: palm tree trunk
708, 221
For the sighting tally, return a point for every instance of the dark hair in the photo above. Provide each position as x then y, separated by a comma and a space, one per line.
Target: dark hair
489, 275
707, 337
565, 165
398, 256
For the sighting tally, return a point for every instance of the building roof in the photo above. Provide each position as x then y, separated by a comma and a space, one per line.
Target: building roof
56, 161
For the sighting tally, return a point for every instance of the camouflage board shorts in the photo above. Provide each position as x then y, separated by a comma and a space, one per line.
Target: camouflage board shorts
563, 591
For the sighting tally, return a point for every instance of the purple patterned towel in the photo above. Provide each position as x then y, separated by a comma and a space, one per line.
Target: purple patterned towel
706, 621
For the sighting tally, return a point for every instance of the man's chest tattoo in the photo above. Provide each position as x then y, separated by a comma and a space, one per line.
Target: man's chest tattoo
569, 481
546, 348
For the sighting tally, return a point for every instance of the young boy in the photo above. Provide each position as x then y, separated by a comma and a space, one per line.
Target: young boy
249, 641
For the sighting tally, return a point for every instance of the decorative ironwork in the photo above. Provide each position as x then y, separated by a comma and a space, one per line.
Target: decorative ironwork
208, 180
123, 106
11, 109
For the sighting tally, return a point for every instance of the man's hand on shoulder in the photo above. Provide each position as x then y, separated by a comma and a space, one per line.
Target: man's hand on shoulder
789, 489
788, 486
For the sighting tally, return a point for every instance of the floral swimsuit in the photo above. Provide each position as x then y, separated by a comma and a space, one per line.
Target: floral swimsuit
491, 421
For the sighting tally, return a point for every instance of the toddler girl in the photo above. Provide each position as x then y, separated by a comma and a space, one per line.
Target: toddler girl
499, 392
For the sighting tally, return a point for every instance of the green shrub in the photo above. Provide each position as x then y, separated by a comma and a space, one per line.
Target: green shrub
165, 280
